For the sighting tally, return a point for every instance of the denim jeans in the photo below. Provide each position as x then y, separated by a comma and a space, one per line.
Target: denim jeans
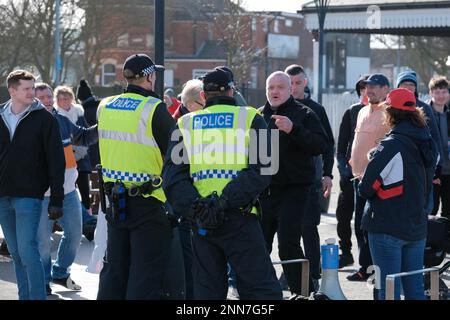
19, 218
70, 241
394, 255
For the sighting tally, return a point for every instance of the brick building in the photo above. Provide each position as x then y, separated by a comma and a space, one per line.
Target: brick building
196, 42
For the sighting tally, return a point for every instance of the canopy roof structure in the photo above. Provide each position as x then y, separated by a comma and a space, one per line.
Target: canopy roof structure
399, 17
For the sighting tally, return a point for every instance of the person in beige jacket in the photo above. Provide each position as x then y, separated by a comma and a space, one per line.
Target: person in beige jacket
370, 129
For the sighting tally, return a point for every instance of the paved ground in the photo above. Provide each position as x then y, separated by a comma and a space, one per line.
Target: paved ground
89, 281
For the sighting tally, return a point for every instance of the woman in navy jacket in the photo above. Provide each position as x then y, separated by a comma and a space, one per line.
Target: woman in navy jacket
396, 184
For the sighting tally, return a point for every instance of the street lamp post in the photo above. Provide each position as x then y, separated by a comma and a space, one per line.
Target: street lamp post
159, 45
58, 62
321, 8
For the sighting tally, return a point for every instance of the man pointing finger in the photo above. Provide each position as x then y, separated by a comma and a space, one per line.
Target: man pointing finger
283, 123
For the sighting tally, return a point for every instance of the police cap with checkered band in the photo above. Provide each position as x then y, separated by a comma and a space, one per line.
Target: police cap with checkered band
139, 65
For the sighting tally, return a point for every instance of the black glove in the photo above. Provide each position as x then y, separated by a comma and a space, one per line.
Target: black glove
207, 213
83, 91
211, 213
54, 213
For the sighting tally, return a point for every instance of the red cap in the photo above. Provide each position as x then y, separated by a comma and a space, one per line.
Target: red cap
402, 99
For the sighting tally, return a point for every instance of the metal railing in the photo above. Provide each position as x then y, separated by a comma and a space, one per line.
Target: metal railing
304, 264
434, 282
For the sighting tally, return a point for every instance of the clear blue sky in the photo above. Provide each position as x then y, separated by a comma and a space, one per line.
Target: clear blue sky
274, 5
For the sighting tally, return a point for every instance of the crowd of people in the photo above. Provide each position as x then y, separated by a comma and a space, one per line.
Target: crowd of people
205, 182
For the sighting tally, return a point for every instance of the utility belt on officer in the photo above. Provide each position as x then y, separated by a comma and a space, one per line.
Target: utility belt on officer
144, 189
117, 195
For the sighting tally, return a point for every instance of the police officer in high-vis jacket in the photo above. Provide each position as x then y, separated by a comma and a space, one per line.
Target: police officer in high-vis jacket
133, 134
212, 176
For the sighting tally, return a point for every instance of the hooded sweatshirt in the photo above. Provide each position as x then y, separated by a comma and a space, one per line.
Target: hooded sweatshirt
397, 183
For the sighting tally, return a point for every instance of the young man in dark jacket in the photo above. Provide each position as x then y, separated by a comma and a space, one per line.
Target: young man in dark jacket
286, 200
31, 161
324, 168
439, 102
346, 199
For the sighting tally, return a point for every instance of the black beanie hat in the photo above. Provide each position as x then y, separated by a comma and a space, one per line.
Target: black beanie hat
83, 91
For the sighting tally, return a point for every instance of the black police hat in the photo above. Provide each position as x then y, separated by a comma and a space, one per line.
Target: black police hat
217, 80
139, 65
227, 70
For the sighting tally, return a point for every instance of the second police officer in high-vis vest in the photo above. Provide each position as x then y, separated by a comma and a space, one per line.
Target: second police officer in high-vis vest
133, 134
211, 178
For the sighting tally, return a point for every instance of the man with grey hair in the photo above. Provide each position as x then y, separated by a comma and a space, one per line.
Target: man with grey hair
285, 201
191, 99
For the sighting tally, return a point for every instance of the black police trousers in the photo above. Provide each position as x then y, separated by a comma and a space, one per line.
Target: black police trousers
240, 242
137, 252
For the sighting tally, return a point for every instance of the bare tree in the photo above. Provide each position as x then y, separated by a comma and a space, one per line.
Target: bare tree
431, 54
426, 55
13, 51
99, 34
27, 35
233, 25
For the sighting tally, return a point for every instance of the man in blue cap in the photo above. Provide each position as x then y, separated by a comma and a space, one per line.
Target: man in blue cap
370, 129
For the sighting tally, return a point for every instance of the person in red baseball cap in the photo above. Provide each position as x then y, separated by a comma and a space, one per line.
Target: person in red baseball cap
402, 99
397, 183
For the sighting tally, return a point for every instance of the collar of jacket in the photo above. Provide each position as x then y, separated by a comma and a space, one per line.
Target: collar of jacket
36, 105
183, 110
288, 103
220, 100
54, 112
141, 91
375, 106
304, 100
446, 107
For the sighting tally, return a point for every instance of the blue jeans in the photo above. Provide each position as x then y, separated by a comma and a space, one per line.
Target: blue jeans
394, 255
70, 241
19, 218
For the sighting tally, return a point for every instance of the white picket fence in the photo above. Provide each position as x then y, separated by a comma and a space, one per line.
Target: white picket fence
336, 103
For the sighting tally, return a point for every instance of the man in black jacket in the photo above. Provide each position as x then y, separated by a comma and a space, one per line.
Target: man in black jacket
324, 168
31, 161
286, 200
346, 199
